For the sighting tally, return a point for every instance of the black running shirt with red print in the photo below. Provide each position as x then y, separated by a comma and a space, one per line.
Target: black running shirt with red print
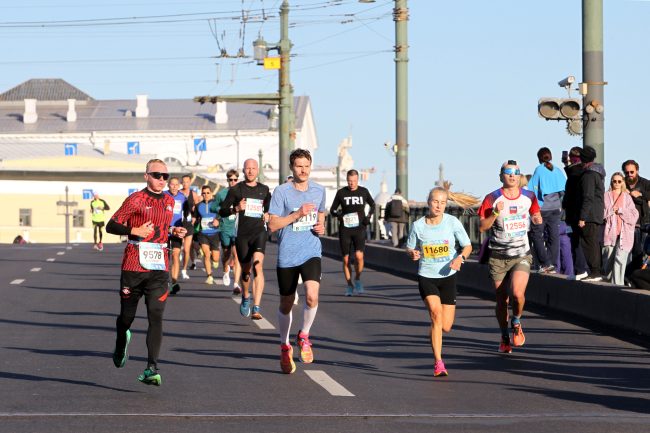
139, 208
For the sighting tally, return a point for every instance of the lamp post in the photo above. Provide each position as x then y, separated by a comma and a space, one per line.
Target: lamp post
64, 206
400, 16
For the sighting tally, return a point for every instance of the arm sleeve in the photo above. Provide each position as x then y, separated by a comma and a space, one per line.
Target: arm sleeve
588, 191
106, 206
267, 201
336, 203
226, 205
116, 228
412, 241
118, 224
371, 203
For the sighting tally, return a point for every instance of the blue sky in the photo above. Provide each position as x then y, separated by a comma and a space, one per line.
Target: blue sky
476, 71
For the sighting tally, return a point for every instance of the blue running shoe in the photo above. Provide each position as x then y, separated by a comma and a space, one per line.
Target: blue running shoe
358, 287
348, 291
150, 376
121, 356
245, 307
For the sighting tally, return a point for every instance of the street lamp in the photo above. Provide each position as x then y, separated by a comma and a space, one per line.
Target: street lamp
400, 16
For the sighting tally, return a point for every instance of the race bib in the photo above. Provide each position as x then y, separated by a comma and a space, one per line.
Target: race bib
254, 208
98, 210
306, 222
515, 226
178, 205
206, 223
437, 251
351, 220
152, 256
232, 217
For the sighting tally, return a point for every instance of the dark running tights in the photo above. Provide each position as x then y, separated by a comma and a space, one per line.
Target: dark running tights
155, 309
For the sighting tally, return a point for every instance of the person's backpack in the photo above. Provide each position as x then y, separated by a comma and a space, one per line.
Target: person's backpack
395, 209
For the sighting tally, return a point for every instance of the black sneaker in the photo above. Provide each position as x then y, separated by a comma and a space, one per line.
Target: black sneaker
193, 267
175, 289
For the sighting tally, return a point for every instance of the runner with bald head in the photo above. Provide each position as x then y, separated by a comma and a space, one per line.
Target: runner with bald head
250, 200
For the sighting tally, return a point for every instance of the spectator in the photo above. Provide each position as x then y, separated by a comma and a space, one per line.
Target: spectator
548, 183
397, 214
591, 193
620, 217
564, 263
640, 191
574, 170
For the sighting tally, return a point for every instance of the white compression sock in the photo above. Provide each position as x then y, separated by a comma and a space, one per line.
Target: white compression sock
284, 322
308, 316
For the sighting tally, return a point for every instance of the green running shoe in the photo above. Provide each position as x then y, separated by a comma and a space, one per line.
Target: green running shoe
150, 376
121, 356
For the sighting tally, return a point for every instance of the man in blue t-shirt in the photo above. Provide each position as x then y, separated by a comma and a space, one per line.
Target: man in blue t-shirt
298, 210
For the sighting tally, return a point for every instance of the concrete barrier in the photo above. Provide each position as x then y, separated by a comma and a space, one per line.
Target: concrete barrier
604, 303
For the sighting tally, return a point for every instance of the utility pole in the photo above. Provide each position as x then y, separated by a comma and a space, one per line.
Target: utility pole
66, 205
401, 16
593, 76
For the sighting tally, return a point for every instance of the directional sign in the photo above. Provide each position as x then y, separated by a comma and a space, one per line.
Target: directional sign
133, 147
87, 194
199, 145
132, 190
70, 149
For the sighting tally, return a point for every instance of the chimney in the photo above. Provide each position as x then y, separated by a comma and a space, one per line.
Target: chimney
141, 109
72, 114
30, 115
221, 115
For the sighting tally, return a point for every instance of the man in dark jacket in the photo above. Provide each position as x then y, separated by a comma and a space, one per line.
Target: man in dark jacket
570, 204
640, 191
591, 200
397, 214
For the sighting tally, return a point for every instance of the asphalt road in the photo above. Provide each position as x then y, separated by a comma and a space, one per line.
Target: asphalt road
373, 370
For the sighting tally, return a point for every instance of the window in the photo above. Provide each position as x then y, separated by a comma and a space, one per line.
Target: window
25, 217
78, 218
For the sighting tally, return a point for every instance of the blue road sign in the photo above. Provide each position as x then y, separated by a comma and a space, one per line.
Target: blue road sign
200, 145
87, 194
132, 190
133, 147
70, 149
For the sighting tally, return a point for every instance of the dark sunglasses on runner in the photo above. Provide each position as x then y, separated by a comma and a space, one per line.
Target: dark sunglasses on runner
232, 179
157, 175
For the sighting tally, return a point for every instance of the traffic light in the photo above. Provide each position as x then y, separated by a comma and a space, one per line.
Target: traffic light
559, 108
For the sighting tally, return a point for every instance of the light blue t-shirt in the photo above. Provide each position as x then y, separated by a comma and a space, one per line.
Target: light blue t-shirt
296, 242
437, 245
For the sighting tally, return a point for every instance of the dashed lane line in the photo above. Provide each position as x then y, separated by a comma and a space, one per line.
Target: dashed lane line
51, 259
35, 270
19, 281
60, 253
330, 385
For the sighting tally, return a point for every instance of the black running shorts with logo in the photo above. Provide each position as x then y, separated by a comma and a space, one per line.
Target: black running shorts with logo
355, 238
288, 277
211, 240
247, 245
444, 288
153, 283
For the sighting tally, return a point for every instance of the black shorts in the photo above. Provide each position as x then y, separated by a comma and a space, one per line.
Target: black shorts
247, 245
175, 242
211, 240
355, 238
444, 288
189, 227
99, 224
288, 277
154, 283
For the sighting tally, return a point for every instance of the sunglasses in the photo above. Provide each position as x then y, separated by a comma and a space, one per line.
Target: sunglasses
157, 175
629, 172
233, 179
617, 181
511, 170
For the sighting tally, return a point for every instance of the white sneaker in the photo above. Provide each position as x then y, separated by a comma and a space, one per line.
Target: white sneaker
226, 279
579, 277
184, 274
209, 280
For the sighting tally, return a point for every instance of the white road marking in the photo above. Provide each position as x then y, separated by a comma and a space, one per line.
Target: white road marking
17, 282
35, 270
51, 259
262, 323
60, 253
68, 248
330, 385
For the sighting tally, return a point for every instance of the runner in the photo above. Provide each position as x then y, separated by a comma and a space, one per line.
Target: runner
506, 213
432, 242
175, 242
189, 219
228, 226
144, 217
97, 208
298, 211
250, 200
353, 220
208, 234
